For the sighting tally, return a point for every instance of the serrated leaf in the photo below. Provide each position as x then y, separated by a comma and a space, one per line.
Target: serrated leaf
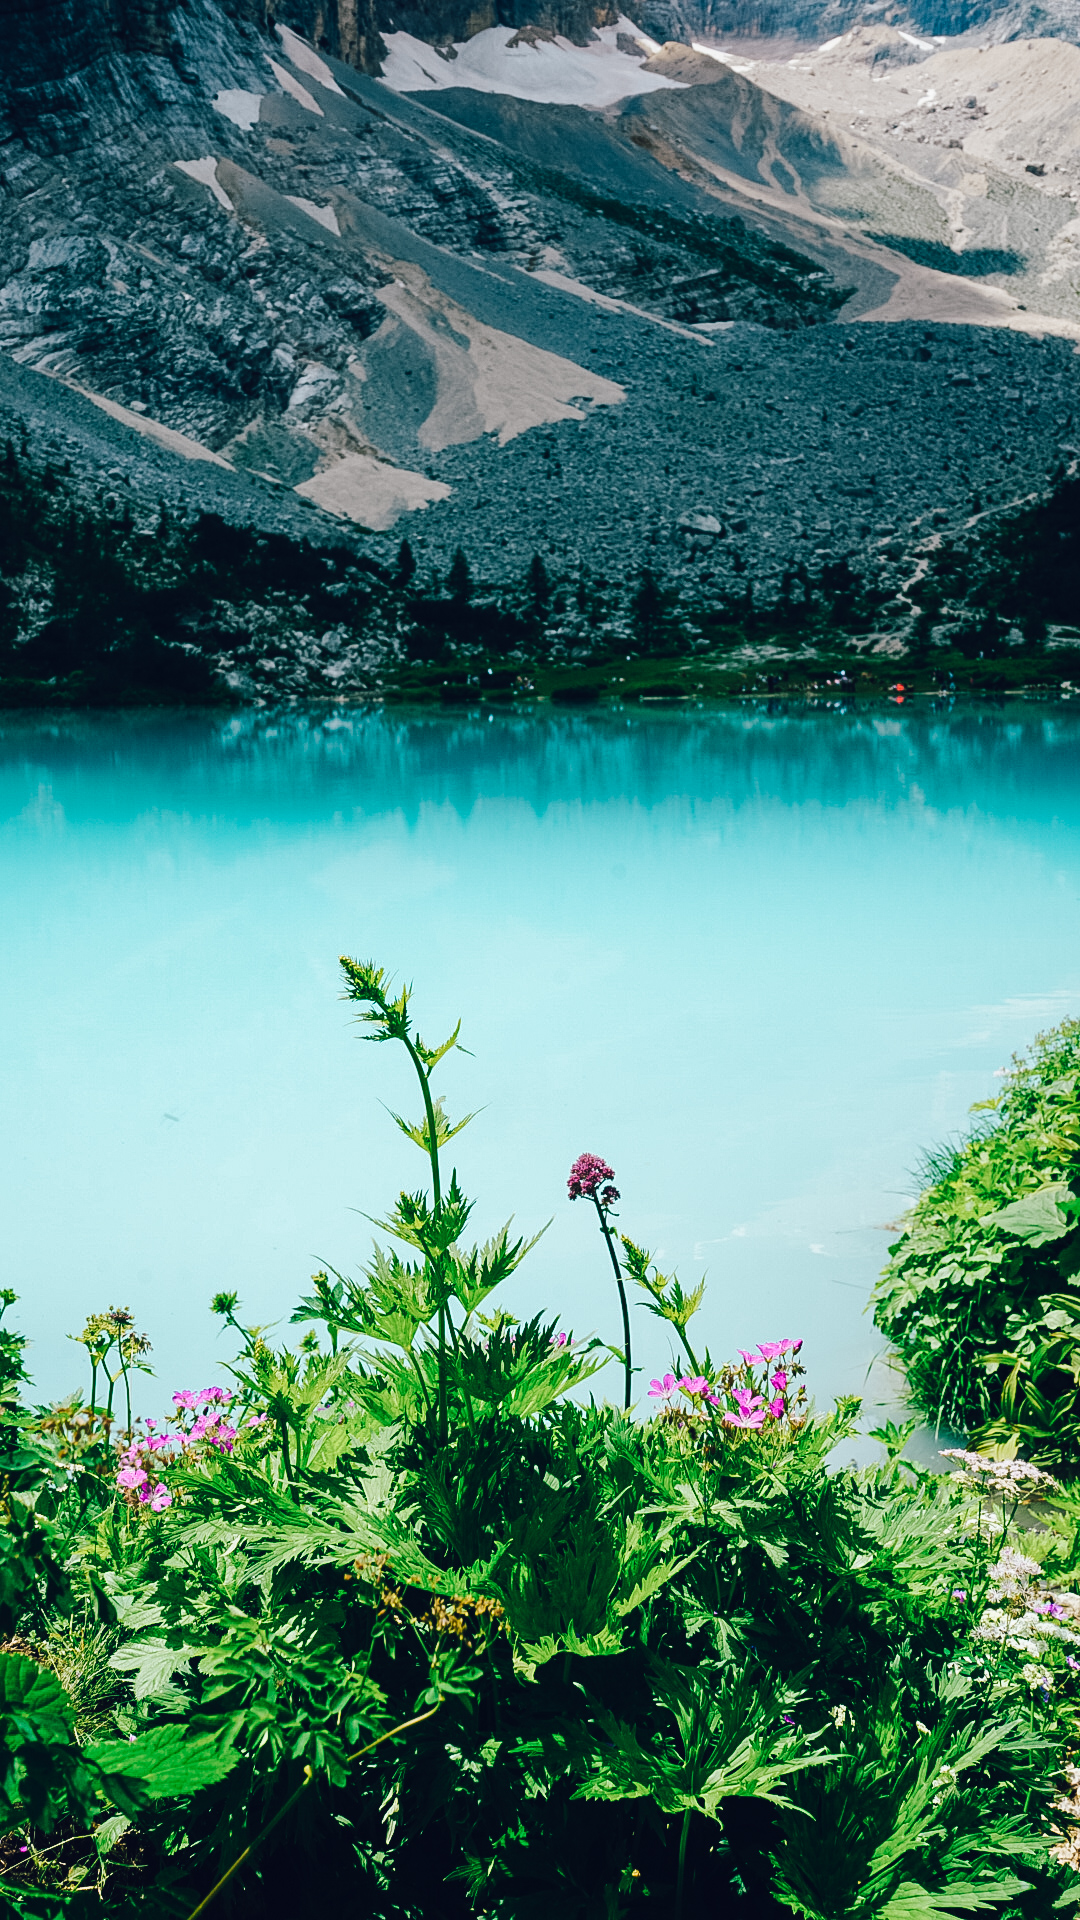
151, 1663
912, 1902
28, 1693
165, 1763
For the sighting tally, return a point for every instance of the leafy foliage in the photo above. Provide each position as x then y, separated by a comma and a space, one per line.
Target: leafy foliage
422, 1632
981, 1297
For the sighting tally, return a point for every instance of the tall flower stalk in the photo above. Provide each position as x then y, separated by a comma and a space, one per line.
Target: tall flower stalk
434, 1233
592, 1179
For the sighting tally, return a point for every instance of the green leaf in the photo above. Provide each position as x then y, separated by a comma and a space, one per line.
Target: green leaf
35, 1700
1039, 1217
151, 1663
912, 1902
165, 1763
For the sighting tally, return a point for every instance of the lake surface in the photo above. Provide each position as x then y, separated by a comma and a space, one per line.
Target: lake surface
757, 960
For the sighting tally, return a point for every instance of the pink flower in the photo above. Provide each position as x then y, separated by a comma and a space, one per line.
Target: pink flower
776, 1407
160, 1498
559, 1340
779, 1381
587, 1176
744, 1418
206, 1394
158, 1441
254, 1419
185, 1399
131, 1477
698, 1388
750, 1358
664, 1389
747, 1401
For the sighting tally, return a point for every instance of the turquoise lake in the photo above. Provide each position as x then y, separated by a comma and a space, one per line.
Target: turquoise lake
756, 959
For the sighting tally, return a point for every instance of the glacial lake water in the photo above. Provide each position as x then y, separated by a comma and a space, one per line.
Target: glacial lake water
756, 959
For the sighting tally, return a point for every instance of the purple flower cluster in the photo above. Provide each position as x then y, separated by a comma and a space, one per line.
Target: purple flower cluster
752, 1408
199, 1417
592, 1179
759, 1399
695, 1386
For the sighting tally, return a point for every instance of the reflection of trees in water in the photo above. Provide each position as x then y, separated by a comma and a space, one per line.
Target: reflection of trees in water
1019, 758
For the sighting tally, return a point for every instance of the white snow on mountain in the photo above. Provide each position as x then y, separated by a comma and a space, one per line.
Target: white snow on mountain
527, 67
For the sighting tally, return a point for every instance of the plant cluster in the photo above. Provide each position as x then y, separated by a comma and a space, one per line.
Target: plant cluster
981, 1297
408, 1626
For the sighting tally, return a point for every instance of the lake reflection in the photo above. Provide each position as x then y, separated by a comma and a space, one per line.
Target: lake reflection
756, 960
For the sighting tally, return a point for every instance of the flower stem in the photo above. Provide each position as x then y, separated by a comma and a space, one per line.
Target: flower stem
309, 1776
680, 1880
606, 1231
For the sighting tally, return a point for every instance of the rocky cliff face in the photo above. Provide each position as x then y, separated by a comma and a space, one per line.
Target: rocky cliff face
236, 272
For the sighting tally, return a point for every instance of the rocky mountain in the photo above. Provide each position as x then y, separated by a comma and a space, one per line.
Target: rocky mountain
689, 330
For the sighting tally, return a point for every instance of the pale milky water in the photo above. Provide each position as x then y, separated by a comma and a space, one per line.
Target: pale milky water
756, 960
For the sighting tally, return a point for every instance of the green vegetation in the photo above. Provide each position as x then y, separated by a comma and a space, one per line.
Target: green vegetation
403, 1624
981, 1298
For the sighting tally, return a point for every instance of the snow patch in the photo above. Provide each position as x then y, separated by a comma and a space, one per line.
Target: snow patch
293, 86
325, 216
370, 491
306, 59
239, 106
544, 70
205, 172
927, 46
725, 59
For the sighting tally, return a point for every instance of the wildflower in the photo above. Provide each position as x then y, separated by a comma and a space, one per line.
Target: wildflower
697, 1388
779, 1381
664, 1389
185, 1399
608, 1196
751, 1410
1001, 1479
160, 1498
207, 1394
558, 1339
959, 1593
776, 1407
1039, 1679
131, 1477
587, 1175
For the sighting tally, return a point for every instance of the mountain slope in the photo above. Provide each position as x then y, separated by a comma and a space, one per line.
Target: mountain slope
606, 337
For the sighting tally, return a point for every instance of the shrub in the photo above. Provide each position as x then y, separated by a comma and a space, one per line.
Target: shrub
980, 1296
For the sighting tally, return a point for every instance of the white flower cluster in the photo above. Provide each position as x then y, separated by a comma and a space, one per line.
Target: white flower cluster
1000, 1479
1014, 1577
1022, 1616
1039, 1679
